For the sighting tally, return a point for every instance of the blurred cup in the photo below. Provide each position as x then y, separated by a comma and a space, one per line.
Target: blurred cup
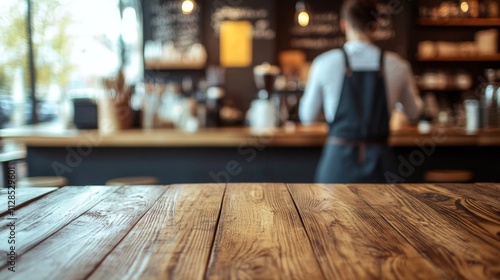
427, 49
487, 41
472, 115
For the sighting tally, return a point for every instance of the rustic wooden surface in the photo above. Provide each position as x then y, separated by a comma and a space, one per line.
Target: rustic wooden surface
23, 196
260, 235
346, 237
256, 231
177, 232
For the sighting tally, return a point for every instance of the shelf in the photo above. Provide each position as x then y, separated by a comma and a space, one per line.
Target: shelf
451, 90
492, 57
162, 65
289, 92
460, 22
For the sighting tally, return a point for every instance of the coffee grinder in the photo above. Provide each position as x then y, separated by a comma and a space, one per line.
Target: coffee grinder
262, 113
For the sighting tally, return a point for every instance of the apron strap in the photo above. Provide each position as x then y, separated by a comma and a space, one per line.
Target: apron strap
348, 70
381, 64
349, 79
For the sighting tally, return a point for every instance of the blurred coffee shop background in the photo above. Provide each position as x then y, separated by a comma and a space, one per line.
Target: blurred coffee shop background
182, 89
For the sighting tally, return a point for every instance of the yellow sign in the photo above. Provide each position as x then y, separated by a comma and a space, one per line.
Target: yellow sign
236, 44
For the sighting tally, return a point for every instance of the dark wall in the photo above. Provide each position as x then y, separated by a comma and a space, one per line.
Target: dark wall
239, 82
240, 85
322, 35
324, 32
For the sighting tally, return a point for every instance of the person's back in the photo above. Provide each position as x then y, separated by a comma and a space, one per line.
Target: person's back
327, 74
357, 93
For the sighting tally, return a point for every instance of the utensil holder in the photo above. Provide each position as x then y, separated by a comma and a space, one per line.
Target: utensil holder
114, 114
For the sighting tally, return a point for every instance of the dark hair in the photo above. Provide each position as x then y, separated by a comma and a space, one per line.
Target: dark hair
361, 14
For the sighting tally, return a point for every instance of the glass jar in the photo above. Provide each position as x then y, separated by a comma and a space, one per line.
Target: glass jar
489, 94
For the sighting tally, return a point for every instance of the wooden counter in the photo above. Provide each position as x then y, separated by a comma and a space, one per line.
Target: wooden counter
10, 153
255, 231
300, 136
88, 157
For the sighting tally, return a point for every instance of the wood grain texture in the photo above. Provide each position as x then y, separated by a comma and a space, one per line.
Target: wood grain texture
495, 187
261, 236
76, 250
172, 241
259, 231
351, 241
23, 196
448, 246
487, 193
479, 219
38, 220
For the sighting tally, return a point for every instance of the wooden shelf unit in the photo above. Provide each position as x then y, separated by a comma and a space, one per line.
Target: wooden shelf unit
486, 22
493, 57
450, 90
162, 65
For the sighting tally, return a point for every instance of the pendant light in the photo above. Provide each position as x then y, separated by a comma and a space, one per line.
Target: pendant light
188, 6
301, 14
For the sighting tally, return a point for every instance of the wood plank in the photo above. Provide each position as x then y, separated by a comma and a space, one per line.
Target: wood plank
469, 213
486, 22
351, 241
451, 248
165, 65
485, 193
76, 250
485, 57
261, 236
494, 186
40, 219
24, 196
172, 241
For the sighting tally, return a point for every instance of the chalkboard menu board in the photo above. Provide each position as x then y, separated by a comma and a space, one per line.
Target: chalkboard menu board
173, 39
394, 23
164, 21
261, 13
260, 18
323, 32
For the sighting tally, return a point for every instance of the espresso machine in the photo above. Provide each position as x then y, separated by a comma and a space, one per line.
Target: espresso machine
263, 113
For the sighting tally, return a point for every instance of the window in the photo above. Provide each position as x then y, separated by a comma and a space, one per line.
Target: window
75, 45
14, 74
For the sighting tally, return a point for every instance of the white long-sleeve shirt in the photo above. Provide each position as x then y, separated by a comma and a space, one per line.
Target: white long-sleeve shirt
326, 79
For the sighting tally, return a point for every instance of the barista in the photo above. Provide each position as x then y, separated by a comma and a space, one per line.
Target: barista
357, 87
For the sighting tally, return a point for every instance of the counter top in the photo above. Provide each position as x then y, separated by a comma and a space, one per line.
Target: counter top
50, 135
11, 150
254, 231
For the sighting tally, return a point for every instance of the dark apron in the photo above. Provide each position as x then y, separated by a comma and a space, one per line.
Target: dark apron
356, 150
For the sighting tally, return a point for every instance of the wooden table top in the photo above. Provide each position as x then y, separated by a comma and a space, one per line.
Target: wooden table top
254, 231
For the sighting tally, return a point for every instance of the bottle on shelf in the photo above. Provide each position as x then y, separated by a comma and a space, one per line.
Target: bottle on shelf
493, 9
474, 8
483, 8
